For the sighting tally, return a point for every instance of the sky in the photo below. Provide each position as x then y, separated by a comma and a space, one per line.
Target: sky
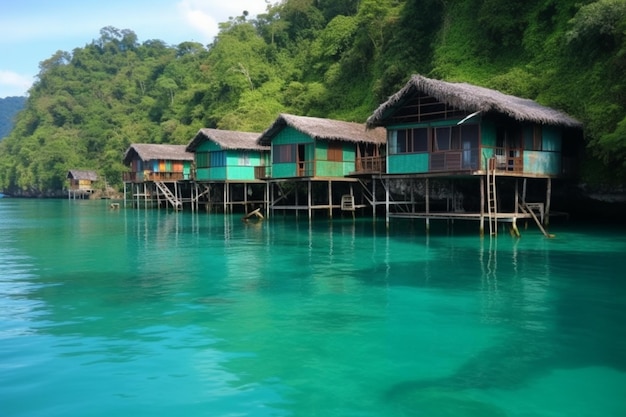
31, 31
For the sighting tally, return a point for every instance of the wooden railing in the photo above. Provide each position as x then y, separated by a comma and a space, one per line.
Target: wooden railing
375, 164
154, 176
509, 159
305, 169
455, 160
262, 172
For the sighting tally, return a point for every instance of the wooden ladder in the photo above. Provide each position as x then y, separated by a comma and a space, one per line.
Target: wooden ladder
492, 201
176, 203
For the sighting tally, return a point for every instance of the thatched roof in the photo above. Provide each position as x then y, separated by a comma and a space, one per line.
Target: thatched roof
77, 174
471, 98
149, 151
227, 139
326, 129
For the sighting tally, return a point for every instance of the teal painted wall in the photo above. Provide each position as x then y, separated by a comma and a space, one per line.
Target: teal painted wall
287, 170
289, 135
233, 170
487, 133
412, 163
325, 168
551, 138
536, 162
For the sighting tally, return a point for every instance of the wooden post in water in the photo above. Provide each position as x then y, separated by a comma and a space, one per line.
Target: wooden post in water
427, 193
373, 198
309, 199
514, 226
546, 216
387, 202
482, 207
330, 199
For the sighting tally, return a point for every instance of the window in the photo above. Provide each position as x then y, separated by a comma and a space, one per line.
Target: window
447, 138
409, 141
218, 159
335, 151
244, 158
202, 160
283, 153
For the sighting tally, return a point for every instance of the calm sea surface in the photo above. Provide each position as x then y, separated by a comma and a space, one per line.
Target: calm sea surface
155, 313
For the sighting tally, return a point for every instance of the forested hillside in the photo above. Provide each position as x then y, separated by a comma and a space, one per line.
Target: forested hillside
328, 58
9, 107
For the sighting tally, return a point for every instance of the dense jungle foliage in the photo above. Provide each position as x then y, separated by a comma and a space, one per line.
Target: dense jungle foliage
9, 107
329, 58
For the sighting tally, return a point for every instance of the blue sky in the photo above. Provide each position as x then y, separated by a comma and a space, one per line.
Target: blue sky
31, 31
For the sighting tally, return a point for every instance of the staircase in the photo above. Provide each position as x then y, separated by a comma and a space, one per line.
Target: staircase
492, 202
175, 202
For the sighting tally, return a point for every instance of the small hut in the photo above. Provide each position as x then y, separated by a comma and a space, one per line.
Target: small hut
158, 172
81, 183
225, 164
324, 152
456, 132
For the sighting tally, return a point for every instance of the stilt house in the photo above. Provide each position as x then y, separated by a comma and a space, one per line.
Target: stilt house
225, 163
157, 172
442, 130
81, 183
314, 150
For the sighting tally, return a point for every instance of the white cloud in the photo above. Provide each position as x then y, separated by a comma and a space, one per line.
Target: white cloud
14, 84
205, 16
199, 17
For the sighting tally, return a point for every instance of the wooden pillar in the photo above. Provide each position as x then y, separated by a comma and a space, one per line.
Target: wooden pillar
412, 197
482, 206
266, 198
516, 198
524, 190
271, 198
124, 194
225, 197
295, 190
546, 215
310, 198
373, 198
427, 194
387, 201
330, 199
245, 197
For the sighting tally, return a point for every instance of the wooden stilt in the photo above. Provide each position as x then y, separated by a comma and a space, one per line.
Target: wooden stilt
373, 198
330, 199
546, 216
309, 198
482, 207
387, 202
427, 194
514, 228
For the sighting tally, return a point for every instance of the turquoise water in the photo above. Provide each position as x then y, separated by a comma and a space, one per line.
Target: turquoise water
155, 313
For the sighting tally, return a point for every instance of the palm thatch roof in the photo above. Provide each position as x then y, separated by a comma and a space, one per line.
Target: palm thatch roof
77, 174
149, 151
227, 139
325, 129
471, 98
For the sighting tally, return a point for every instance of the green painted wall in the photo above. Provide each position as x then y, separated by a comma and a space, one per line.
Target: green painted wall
536, 162
289, 135
412, 163
287, 170
551, 138
487, 133
233, 170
